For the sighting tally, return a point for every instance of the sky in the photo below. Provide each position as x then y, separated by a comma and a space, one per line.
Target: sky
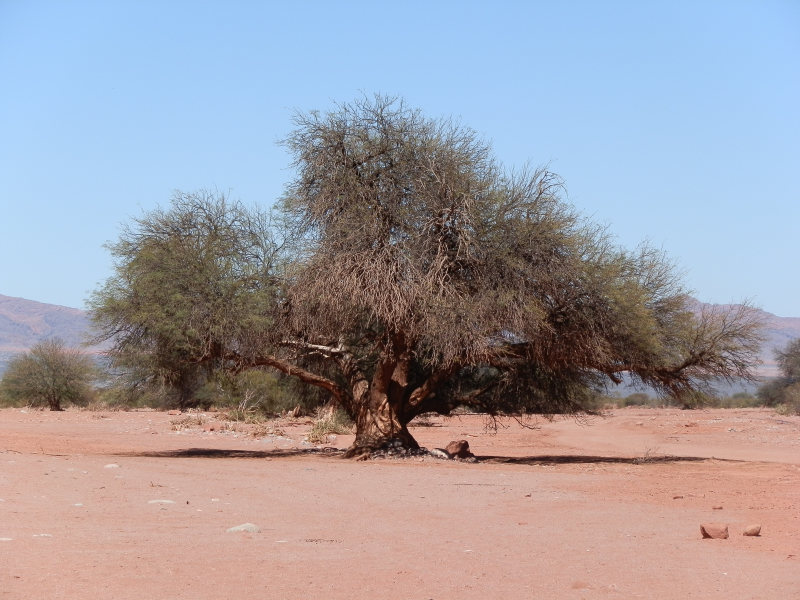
672, 122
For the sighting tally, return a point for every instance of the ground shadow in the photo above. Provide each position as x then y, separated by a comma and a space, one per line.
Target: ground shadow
545, 459
584, 459
222, 453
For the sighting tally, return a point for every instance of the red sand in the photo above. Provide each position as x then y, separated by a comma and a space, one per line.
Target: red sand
611, 509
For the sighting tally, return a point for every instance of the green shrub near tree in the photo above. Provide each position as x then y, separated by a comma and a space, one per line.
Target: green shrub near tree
784, 391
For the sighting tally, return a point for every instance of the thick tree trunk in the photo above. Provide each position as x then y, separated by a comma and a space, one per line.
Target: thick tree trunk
380, 412
379, 426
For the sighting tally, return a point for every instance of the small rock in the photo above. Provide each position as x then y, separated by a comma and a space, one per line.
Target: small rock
249, 527
752, 530
458, 449
439, 453
677, 497
111, 466
716, 531
716, 508
161, 502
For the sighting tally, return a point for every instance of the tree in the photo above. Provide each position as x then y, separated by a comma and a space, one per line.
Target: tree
784, 390
416, 275
433, 279
49, 374
188, 282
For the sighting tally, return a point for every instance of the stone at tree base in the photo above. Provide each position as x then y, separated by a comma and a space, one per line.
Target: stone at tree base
458, 449
439, 453
716, 531
752, 530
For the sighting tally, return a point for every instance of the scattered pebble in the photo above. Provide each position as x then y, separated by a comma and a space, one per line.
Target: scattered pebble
249, 527
161, 502
111, 466
716, 531
6, 539
753, 530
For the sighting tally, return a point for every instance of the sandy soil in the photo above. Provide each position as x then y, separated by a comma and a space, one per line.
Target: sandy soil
137, 505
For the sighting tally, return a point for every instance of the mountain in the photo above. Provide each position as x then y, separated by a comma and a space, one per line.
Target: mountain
24, 323
778, 331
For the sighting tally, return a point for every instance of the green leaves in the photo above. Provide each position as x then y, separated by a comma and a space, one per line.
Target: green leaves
49, 375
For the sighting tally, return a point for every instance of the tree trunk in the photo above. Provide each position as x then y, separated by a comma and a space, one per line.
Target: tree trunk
379, 427
380, 419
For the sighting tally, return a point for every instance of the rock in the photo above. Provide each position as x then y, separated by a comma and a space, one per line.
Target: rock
248, 527
716, 531
111, 466
752, 530
161, 501
439, 453
716, 508
458, 449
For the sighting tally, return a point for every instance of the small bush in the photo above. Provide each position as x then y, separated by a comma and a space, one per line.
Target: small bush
791, 401
330, 422
637, 399
50, 375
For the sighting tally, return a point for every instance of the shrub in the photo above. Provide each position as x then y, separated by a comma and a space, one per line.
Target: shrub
330, 421
49, 375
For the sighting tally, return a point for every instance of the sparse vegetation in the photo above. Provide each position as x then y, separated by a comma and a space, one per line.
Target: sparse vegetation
49, 375
328, 422
784, 392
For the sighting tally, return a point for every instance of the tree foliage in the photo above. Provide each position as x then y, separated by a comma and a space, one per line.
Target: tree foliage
188, 281
417, 275
49, 375
784, 390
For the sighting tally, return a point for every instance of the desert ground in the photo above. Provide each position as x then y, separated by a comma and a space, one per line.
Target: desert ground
138, 505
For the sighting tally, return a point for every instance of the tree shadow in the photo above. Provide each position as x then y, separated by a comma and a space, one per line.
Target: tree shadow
223, 453
588, 459
537, 460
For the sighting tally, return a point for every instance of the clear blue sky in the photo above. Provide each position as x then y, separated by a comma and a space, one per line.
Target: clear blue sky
675, 122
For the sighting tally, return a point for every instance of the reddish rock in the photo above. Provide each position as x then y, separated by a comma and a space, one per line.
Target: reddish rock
716, 531
753, 530
458, 449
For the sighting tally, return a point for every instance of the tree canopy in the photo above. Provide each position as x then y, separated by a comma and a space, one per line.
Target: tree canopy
188, 282
415, 274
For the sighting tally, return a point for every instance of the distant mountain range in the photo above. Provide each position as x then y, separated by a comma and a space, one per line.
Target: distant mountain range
23, 323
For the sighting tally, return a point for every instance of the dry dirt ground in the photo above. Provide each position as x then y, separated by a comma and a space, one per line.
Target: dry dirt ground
137, 505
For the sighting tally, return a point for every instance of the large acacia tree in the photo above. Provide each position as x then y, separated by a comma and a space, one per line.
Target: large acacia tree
418, 275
